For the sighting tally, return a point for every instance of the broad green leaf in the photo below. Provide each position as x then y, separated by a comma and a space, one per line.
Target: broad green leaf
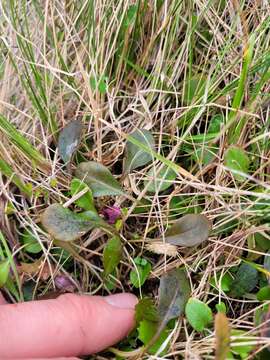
147, 330
139, 275
98, 178
264, 293
245, 280
204, 154
183, 204
69, 139
31, 242
86, 201
143, 206
260, 314
193, 88
160, 179
64, 225
198, 314
241, 350
215, 124
112, 255
190, 230
224, 283
261, 320
136, 157
237, 161
262, 241
174, 291
222, 334
4, 271
146, 310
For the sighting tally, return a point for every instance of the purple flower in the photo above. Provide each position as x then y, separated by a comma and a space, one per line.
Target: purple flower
111, 214
62, 282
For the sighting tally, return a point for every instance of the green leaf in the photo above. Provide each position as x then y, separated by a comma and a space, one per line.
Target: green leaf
110, 282
161, 181
224, 283
4, 272
193, 88
136, 157
69, 139
130, 16
98, 178
146, 310
102, 85
261, 321
198, 314
260, 314
30, 241
147, 330
190, 230
215, 124
245, 280
139, 275
262, 241
86, 201
241, 350
174, 291
221, 307
112, 255
237, 161
264, 293
204, 154
62, 224
266, 262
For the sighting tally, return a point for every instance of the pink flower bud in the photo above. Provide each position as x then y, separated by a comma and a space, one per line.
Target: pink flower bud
111, 214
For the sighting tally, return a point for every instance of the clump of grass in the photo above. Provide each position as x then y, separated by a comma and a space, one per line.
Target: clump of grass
195, 74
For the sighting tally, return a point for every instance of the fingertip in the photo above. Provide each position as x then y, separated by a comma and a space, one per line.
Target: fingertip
122, 301
71, 325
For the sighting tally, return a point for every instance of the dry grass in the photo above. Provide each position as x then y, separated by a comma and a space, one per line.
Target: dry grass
50, 53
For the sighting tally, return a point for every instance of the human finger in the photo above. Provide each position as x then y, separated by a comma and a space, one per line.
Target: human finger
71, 325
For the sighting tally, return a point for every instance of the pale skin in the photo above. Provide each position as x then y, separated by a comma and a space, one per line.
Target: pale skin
64, 328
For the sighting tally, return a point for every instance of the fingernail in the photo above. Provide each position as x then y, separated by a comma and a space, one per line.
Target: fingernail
122, 301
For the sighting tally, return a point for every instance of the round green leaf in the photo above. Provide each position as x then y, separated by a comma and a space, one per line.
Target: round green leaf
86, 201
62, 224
147, 330
237, 161
30, 241
198, 314
174, 291
264, 293
136, 157
98, 178
69, 139
139, 275
190, 230
245, 280
146, 310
